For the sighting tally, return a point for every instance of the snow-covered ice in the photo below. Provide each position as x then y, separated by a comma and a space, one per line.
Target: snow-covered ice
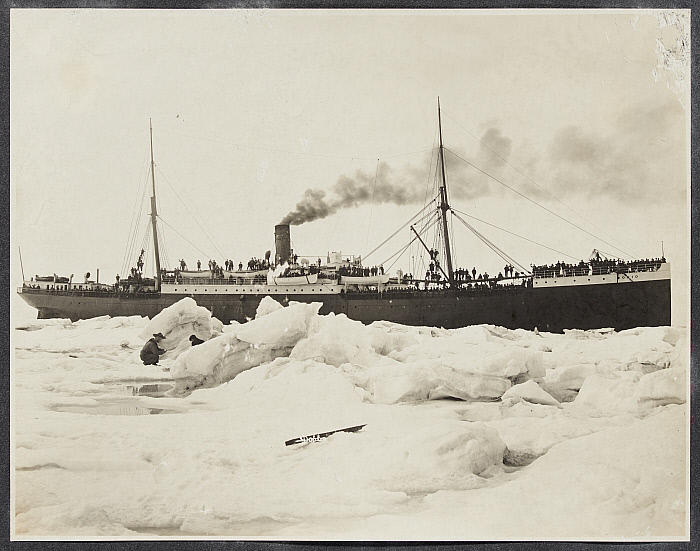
479, 433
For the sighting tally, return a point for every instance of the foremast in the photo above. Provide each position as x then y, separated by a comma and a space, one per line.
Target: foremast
444, 205
154, 212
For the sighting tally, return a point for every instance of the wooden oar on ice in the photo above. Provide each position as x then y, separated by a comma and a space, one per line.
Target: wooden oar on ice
319, 436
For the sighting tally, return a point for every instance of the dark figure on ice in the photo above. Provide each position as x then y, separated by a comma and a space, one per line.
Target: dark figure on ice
195, 340
151, 351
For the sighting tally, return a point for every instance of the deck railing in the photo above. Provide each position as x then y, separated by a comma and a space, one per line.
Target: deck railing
87, 293
595, 268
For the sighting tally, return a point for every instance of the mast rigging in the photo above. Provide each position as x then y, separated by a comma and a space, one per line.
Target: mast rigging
444, 206
154, 212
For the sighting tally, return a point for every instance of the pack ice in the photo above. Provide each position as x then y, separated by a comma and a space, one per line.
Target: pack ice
568, 436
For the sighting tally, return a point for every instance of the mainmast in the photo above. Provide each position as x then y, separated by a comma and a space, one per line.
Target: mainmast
154, 212
444, 206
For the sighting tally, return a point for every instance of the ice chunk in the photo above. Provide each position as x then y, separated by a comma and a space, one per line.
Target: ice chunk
219, 360
391, 338
336, 340
259, 341
514, 361
442, 456
509, 361
662, 387
569, 377
97, 322
415, 382
217, 327
177, 322
530, 391
231, 327
281, 327
267, 305
581, 334
608, 394
681, 354
673, 334
474, 334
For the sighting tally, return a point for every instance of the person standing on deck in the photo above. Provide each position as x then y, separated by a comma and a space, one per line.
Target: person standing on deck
151, 352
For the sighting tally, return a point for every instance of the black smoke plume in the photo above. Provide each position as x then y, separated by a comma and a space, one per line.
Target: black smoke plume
412, 185
349, 192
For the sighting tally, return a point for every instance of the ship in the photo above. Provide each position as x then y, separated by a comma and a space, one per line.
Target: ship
602, 292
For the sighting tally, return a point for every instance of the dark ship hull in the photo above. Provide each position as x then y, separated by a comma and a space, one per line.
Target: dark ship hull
618, 305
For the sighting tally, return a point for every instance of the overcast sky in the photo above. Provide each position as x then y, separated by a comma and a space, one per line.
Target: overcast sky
255, 111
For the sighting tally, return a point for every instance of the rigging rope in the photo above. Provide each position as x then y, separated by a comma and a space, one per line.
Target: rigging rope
177, 232
440, 245
144, 245
406, 247
402, 227
129, 255
210, 235
430, 219
135, 216
165, 261
533, 201
492, 246
453, 243
607, 254
397, 258
192, 215
430, 166
543, 189
511, 233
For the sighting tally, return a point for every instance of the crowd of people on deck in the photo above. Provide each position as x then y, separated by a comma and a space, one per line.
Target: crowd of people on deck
461, 275
229, 265
597, 266
435, 276
299, 271
217, 270
257, 264
360, 271
305, 268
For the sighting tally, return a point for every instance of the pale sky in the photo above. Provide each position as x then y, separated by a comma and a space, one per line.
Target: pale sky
251, 108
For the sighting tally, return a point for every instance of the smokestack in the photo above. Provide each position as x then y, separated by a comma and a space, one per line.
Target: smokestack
283, 244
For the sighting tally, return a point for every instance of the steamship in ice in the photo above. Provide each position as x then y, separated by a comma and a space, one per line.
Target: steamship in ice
600, 293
